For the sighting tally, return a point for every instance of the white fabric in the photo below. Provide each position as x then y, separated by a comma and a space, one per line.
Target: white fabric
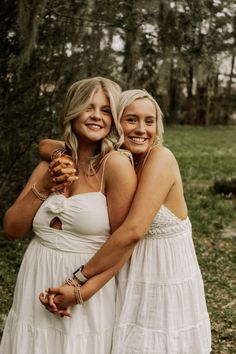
50, 258
161, 306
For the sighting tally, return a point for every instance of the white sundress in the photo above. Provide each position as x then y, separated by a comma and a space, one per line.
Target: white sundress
50, 258
161, 307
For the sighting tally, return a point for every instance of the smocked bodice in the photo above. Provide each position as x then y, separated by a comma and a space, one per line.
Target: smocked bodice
166, 224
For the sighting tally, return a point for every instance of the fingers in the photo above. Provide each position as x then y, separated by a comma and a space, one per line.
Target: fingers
62, 161
64, 313
51, 300
64, 177
43, 298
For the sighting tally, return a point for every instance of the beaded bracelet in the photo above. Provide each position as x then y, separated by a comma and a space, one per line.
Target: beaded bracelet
37, 193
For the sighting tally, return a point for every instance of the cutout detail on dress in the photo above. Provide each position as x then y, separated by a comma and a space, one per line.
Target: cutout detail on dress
56, 223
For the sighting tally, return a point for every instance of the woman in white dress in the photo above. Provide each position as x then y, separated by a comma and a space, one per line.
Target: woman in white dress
161, 307
69, 228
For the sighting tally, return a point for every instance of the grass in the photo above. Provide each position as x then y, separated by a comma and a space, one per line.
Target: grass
204, 154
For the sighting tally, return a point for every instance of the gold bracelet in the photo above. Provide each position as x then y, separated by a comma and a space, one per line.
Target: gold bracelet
57, 153
78, 297
37, 193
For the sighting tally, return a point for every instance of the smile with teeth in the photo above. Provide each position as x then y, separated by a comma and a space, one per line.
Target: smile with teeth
138, 139
94, 126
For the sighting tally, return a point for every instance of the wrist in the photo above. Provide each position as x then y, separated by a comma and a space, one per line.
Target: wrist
39, 193
79, 275
42, 189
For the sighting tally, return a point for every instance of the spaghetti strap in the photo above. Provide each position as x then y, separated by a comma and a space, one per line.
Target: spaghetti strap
145, 159
103, 168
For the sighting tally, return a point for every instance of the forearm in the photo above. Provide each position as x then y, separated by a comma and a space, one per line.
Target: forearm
18, 218
46, 148
114, 253
98, 281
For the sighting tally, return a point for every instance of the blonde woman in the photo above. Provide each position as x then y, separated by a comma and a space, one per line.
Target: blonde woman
70, 227
161, 305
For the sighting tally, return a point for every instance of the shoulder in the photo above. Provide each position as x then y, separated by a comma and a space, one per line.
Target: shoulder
117, 159
161, 161
161, 154
118, 167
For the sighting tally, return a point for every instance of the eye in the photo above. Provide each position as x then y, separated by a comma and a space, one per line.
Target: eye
106, 110
150, 121
131, 120
89, 108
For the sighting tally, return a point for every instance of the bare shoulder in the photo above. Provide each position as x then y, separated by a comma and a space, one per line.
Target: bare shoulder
118, 169
162, 154
117, 160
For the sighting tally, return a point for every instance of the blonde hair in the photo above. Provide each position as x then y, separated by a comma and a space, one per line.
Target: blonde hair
77, 100
128, 97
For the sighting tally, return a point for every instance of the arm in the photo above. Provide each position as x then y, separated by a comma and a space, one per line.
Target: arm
120, 185
18, 218
46, 148
157, 178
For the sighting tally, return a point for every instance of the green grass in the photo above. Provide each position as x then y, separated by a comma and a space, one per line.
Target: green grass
204, 154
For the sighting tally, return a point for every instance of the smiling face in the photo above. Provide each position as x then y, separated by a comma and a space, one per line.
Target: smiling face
139, 124
94, 123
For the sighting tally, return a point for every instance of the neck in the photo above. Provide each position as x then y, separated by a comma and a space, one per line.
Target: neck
85, 152
138, 159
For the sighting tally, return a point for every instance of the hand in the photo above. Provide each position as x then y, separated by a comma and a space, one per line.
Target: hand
58, 300
63, 172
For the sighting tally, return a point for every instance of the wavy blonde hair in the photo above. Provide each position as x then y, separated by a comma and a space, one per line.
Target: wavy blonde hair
77, 99
128, 97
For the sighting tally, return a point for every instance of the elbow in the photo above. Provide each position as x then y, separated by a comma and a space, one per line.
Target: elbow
132, 236
11, 234
42, 146
11, 231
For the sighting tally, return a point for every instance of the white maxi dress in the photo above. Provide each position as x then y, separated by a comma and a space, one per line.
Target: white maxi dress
50, 258
161, 307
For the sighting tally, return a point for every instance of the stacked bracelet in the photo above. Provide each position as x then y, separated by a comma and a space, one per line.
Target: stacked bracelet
76, 284
37, 193
57, 153
78, 297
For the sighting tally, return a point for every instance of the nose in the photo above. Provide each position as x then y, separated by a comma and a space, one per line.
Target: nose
96, 114
140, 128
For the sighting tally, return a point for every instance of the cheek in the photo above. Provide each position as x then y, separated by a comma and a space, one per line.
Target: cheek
153, 131
109, 121
126, 129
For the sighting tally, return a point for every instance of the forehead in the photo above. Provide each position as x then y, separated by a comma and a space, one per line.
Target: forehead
100, 95
141, 106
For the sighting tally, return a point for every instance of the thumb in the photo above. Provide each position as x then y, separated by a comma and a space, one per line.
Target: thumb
55, 291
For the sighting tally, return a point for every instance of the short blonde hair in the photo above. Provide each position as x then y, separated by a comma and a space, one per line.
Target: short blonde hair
128, 97
77, 100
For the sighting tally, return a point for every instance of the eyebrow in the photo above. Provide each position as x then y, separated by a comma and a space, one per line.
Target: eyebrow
136, 116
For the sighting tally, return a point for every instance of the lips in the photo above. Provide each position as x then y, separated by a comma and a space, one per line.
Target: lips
94, 126
137, 140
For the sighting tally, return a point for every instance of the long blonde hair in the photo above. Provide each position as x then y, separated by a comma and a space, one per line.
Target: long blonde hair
77, 100
128, 97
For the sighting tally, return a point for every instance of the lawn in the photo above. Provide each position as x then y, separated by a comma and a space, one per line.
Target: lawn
204, 154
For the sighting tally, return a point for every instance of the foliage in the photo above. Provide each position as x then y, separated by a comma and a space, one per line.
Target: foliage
204, 154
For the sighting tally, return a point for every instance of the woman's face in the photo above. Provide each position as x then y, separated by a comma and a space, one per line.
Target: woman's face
95, 122
139, 124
